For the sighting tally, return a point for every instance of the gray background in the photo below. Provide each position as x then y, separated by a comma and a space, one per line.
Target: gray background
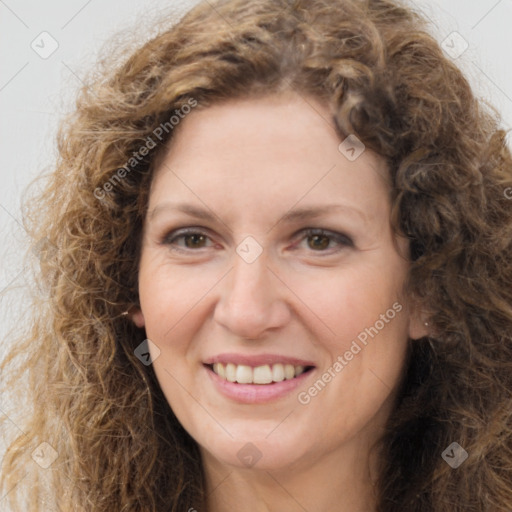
36, 92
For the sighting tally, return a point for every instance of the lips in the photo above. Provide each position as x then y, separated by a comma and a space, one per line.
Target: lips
257, 393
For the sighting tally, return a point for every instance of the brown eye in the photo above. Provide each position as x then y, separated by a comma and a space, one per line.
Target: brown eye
194, 241
187, 239
320, 240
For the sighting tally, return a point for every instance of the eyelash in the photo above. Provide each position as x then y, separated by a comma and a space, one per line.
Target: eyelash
340, 238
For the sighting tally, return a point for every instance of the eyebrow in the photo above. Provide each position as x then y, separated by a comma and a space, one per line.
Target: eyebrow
294, 215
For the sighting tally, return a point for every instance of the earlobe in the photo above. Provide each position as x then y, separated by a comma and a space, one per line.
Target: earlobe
419, 326
136, 316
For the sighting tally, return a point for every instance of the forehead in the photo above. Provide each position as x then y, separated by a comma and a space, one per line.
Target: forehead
275, 150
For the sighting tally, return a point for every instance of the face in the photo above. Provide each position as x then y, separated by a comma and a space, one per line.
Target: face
271, 284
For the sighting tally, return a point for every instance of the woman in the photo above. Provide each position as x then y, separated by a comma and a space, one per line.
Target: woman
277, 270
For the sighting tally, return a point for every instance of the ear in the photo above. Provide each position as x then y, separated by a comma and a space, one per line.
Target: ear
418, 329
418, 321
136, 316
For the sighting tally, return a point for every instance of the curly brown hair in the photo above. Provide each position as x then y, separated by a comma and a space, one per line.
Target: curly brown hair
118, 444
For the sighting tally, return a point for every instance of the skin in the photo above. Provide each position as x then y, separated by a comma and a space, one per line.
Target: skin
249, 162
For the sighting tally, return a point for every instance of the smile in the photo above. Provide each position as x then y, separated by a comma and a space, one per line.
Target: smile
265, 374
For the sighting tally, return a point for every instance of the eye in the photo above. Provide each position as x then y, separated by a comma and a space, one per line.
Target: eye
320, 240
192, 238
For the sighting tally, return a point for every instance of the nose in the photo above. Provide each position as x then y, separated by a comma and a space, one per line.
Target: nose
252, 300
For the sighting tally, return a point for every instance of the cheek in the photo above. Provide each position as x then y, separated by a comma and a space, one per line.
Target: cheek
370, 319
172, 300
365, 345
171, 297
344, 303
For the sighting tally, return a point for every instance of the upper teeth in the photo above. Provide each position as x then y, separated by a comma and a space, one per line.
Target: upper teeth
259, 375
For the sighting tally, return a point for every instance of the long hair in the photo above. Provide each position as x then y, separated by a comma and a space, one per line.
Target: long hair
103, 428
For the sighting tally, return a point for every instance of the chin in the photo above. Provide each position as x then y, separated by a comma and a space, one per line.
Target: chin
257, 455
260, 447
